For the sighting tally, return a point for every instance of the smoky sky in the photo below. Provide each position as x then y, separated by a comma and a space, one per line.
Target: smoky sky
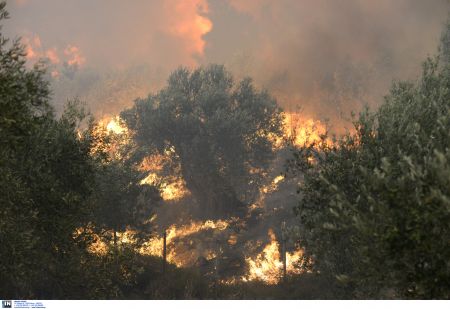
326, 56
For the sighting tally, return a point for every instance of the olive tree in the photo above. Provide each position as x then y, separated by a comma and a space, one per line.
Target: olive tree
220, 133
374, 210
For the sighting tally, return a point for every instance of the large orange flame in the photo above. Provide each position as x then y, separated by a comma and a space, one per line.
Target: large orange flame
267, 266
190, 24
303, 131
155, 245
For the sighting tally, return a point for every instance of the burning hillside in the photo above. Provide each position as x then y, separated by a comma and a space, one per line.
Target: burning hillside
229, 250
268, 265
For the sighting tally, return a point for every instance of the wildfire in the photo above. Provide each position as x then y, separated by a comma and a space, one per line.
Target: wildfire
266, 189
183, 248
273, 185
155, 245
176, 253
190, 24
35, 50
114, 126
267, 266
174, 191
74, 56
98, 245
171, 189
303, 131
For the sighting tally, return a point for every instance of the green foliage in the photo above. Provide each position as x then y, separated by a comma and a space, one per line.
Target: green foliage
374, 210
55, 181
119, 201
44, 179
219, 133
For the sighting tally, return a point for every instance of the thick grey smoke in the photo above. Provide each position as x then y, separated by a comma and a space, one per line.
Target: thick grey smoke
328, 56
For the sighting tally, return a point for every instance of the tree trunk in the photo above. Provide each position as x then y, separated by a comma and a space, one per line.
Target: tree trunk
216, 198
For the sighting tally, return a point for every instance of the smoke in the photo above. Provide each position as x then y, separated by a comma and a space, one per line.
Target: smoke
114, 50
329, 57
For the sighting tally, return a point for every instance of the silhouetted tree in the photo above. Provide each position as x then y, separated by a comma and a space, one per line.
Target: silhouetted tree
220, 134
119, 200
374, 210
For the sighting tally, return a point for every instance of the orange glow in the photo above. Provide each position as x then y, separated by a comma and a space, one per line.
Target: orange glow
176, 253
171, 189
267, 266
273, 185
189, 23
112, 146
74, 56
153, 163
174, 191
181, 257
34, 51
266, 189
99, 246
52, 55
304, 131
33, 47
21, 2
114, 126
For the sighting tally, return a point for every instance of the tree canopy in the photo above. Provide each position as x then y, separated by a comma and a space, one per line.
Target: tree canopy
220, 133
45, 179
52, 187
374, 210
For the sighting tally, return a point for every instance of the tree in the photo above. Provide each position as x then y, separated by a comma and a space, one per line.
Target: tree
220, 134
45, 181
374, 210
120, 200
49, 177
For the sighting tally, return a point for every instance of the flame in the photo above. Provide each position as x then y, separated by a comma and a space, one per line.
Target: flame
303, 131
155, 245
74, 56
114, 126
35, 50
52, 55
273, 185
174, 191
153, 163
114, 146
266, 189
32, 47
172, 188
190, 24
267, 265
176, 252
99, 246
